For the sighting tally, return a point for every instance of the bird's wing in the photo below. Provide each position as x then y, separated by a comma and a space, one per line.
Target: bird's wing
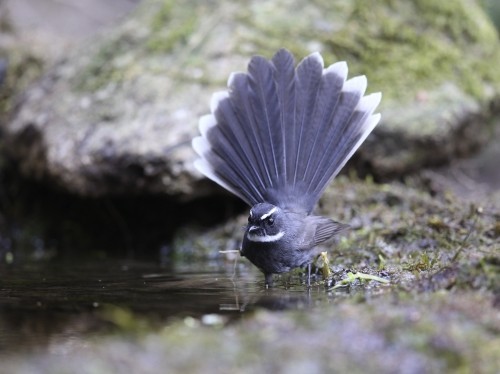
326, 228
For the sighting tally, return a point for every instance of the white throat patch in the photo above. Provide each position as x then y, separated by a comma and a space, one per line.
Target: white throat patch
265, 238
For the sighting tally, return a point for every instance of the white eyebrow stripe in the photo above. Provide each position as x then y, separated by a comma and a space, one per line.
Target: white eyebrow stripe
264, 216
265, 238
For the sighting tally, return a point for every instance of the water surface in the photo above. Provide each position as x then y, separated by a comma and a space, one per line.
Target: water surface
41, 304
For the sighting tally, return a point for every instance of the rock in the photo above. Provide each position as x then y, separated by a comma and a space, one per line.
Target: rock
35, 35
49, 29
391, 333
116, 116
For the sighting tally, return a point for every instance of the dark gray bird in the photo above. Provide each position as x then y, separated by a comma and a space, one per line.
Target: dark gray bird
275, 139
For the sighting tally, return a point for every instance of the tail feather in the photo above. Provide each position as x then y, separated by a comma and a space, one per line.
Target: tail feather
243, 155
360, 125
330, 91
266, 111
284, 65
217, 146
247, 127
339, 133
308, 78
281, 134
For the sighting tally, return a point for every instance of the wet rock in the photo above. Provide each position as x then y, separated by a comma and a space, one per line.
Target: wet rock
388, 334
116, 116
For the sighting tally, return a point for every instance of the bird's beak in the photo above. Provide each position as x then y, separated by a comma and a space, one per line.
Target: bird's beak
253, 229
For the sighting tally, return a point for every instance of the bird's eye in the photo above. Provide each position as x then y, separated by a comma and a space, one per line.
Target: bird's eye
270, 221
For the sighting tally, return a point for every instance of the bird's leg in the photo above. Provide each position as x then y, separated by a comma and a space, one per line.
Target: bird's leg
308, 275
268, 280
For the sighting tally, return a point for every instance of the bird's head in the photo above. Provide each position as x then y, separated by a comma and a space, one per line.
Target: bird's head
265, 223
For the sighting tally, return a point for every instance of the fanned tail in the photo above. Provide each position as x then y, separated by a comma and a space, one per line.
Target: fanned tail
263, 97
308, 78
284, 65
280, 134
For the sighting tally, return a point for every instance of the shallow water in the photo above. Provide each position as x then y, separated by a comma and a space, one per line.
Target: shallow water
41, 304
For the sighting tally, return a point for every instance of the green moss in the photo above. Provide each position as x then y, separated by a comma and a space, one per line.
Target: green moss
422, 263
492, 7
162, 16
22, 70
399, 45
419, 44
117, 58
172, 25
102, 70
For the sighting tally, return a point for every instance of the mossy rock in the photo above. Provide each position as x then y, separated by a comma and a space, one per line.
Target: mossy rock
117, 115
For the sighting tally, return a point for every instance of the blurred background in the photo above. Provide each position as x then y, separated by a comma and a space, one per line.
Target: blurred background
110, 240
100, 101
